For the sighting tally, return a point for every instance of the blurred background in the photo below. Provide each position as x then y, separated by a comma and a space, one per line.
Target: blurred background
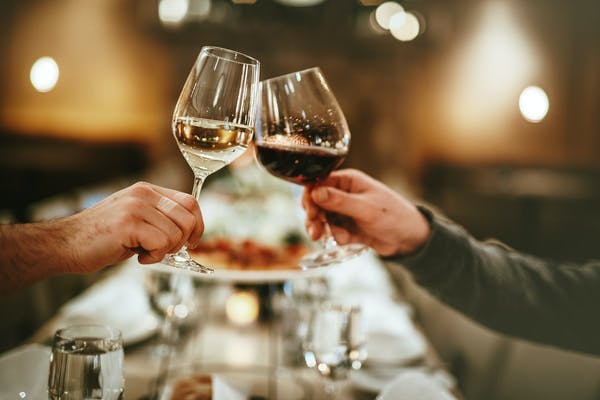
486, 109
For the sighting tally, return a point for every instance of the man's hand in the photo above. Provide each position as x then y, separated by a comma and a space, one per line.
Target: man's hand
143, 218
380, 218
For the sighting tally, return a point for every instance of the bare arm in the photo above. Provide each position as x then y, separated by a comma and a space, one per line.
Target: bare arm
143, 218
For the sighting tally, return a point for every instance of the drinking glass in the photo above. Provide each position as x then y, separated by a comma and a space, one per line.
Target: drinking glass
303, 136
334, 343
176, 300
86, 363
214, 120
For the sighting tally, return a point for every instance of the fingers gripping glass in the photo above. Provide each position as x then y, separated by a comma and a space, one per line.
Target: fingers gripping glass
214, 119
302, 137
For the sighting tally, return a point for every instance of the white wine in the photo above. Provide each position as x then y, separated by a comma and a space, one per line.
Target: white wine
209, 145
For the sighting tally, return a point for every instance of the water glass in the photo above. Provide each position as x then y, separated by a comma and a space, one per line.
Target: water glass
86, 363
335, 343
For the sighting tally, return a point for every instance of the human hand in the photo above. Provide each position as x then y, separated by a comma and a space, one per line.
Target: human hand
380, 218
143, 218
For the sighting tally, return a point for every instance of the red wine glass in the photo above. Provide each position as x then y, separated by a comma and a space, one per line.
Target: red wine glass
302, 136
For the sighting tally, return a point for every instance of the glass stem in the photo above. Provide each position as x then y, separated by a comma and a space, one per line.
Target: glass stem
198, 182
332, 389
327, 239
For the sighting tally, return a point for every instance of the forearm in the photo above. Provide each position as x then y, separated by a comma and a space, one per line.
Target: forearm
520, 295
30, 252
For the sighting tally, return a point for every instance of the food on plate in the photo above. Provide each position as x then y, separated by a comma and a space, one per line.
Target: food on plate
248, 254
195, 387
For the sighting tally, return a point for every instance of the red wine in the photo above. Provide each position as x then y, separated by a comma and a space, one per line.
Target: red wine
299, 164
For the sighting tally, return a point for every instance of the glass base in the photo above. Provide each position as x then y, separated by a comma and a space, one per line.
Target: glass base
332, 255
183, 260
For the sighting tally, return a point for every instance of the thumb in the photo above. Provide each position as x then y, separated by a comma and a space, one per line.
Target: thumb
338, 201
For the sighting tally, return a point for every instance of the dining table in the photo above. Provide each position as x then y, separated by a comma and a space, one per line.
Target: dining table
242, 330
256, 351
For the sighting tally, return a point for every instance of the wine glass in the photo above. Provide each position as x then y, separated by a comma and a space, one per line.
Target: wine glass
177, 301
303, 136
334, 344
175, 298
214, 119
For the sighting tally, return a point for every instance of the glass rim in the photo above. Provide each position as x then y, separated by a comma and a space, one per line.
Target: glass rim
219, 52
89, 331
302, 72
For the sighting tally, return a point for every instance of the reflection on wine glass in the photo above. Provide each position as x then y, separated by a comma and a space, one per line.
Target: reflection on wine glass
334, 343
302, 137
214, 119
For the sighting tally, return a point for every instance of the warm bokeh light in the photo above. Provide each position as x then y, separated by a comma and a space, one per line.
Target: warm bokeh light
117, 96
44, 74
404, 26
374, 25
397, 20
242, 307
481, 76
181, 311
385, 11
172, 12
534, 104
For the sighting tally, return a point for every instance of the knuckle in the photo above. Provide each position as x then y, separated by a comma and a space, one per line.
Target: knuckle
140, 188
175, 238
134, 204
162, 242
188, 201
188, 224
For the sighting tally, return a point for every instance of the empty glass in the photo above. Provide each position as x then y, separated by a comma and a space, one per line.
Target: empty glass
334, 343
176, 300
86, 363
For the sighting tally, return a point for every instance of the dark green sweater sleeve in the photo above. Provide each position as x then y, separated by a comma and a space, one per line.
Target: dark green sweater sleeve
517, 294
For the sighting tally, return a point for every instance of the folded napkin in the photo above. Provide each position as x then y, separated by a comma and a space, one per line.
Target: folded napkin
119, 301
417, 384
24, 372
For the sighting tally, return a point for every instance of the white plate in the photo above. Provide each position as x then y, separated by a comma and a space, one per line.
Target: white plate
24, 372
390, 349
255, 276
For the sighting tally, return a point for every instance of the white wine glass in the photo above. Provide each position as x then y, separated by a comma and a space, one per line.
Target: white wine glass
302, 137
214, 120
